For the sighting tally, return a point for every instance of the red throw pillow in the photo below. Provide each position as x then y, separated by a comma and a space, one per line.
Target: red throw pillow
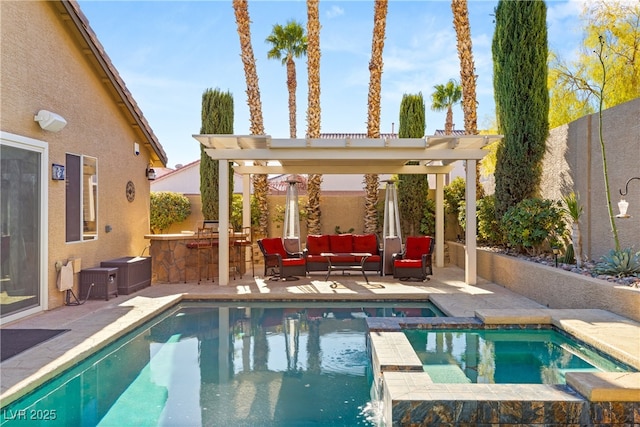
317, 244
341, 243
416, 246
365, 243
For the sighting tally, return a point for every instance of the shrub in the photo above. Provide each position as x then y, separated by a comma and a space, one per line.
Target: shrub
488, 226
338, 231
167, 208
454, 197
236, 212
454, 194
462, 214
532, 223
280, 210
428, 221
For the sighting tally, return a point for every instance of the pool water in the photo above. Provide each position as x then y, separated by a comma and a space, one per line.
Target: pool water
273, 364
514, 356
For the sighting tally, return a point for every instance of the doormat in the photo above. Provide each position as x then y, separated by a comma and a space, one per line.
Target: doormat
15, 341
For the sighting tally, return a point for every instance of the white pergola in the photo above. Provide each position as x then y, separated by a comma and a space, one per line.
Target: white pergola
261, 154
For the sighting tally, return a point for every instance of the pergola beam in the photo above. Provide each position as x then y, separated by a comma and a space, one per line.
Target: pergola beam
342, 169
337, 155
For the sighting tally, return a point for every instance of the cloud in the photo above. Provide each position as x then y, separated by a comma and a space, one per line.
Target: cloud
559, 11
334, 11
565, 26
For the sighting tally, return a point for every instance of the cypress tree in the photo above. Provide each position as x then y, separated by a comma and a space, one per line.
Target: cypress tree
217, 118
413, 190
522, 101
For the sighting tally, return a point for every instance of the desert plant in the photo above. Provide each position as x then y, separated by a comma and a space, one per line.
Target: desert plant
532, 223
573, 210
569, 256
167, 208
619, 263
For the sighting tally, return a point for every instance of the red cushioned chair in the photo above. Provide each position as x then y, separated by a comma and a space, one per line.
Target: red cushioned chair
415, 261
280, 263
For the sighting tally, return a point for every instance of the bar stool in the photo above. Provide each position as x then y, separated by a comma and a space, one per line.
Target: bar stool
244, 241
204, 243
233, 253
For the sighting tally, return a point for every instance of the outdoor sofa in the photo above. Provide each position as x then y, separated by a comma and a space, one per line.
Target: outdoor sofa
344, 245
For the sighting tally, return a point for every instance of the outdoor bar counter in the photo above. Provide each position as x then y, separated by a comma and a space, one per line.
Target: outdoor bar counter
174, 261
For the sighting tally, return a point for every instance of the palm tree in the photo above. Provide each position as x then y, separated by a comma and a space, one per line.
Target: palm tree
467, 68
444, 98
372, 181
313, 112
260, 185
467, 75
288, 42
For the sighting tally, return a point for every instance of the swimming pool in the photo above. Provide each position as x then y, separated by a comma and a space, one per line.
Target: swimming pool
280, 364
512, 356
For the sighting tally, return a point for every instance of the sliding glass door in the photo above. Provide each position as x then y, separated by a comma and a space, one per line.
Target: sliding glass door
21, 223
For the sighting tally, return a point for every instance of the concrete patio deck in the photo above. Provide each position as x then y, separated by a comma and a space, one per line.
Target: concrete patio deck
93, 325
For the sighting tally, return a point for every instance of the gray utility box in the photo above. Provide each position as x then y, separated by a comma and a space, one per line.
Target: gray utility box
134, 273
98, 283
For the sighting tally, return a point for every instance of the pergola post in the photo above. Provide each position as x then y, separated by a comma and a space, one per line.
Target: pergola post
440, 220
470, 271
223, 218
246, 200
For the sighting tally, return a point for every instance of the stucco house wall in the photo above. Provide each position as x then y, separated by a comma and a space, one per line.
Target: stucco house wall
47, 65
574, 162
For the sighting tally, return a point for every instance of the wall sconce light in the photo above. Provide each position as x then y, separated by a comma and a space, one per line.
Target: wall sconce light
50, 121
623, 205
151, 173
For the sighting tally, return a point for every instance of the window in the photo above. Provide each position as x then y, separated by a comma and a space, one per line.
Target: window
81, 198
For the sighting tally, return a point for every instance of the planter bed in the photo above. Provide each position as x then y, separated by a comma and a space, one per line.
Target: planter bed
550, 286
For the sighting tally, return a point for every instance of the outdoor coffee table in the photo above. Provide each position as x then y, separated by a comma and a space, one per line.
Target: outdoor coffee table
343, 268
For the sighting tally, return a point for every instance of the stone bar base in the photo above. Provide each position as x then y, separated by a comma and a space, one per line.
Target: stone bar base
174, 262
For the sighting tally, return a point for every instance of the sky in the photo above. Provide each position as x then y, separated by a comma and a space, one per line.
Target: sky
169, 52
